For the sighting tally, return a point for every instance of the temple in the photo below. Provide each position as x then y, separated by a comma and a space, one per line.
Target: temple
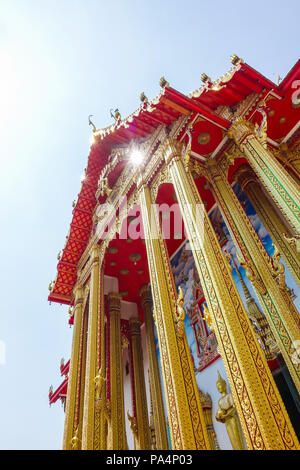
181, 271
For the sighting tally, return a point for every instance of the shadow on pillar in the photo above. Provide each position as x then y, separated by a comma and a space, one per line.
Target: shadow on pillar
288, 392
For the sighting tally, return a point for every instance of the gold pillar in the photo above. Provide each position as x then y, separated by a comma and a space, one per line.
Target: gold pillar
91, 433
259, 321
73, 382
143, 432
279, 184
283, 318
264, 419
187, 424
155, 386
116, 421
269, 217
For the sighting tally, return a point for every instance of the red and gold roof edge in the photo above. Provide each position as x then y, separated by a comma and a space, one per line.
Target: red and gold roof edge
167, 107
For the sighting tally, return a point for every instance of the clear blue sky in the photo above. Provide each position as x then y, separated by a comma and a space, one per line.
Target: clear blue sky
61, 61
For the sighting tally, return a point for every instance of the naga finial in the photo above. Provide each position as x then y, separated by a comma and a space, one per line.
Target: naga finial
163, 82
92, 124
205, 78
293, 241
235, 59
279, 79
143, 98
115, 115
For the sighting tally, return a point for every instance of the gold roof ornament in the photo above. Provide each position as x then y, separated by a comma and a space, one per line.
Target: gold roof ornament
92, 124
205, 78
163, 82
143, 98
59, 255
115, 114
236, 60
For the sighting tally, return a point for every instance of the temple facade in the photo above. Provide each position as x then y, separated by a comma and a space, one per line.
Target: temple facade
181, 270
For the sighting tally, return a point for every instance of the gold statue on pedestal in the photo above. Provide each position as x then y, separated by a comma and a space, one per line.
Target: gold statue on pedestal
227, 414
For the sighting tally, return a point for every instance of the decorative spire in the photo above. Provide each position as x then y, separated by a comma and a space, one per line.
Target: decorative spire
92, 124
163, 82
245, 288
115, 115
258, 320
143, 98
235, 60
205, 78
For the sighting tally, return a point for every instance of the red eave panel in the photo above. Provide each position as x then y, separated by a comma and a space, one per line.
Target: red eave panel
61, 390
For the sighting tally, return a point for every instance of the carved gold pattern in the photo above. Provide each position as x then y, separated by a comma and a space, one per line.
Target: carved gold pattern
267, 214
278, 183
117, 413
73, 371
94, 433
184, 408
253, 256
264, 419
142, 436
154, 377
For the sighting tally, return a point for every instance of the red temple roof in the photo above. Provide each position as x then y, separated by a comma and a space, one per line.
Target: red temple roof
167, 107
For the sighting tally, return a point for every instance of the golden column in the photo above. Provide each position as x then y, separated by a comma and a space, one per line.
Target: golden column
92, 433
116, 423
143, 431
283, 317
73, 382
155, 386
187, 424
278, 183
269, 217
264, 420
260, 324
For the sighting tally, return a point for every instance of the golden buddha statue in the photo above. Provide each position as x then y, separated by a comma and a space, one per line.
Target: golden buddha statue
227, 414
